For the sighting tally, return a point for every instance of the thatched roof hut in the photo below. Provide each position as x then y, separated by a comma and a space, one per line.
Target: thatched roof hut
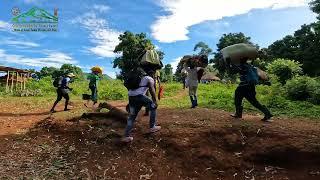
208, 77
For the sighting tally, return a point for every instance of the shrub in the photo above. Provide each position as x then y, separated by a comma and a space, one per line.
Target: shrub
300, 88
284, 69
314, 91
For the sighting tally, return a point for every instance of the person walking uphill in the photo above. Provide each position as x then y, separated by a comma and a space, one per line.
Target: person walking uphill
138, 98
63, 89
192, 83
246, 89
157, 86
93, 81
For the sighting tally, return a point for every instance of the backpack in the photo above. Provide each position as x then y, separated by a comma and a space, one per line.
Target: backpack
133, 78
252, 75
57, 82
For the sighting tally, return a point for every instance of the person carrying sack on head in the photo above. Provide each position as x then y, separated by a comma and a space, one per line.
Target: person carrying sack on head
63, 90
249, 78
137, 84
192, 83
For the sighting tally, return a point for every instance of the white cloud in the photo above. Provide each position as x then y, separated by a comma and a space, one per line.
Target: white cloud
21, 44
52, 59
174, 63
30, 1
112, 74
104, 38
185, 13
156, 47
101, 8
4, 26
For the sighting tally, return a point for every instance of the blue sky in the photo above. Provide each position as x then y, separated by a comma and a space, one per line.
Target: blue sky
88, 29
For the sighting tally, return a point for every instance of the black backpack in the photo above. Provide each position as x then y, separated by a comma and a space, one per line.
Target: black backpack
133, 78
57, 82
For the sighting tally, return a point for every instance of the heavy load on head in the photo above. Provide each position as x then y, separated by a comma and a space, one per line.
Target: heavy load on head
151, 60
234, 53
196, 61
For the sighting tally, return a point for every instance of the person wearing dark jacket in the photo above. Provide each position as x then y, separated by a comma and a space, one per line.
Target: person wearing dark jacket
246, 89
63, 91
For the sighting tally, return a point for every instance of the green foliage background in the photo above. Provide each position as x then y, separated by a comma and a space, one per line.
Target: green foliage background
216, 95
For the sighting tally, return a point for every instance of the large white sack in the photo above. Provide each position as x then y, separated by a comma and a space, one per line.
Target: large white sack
237, 51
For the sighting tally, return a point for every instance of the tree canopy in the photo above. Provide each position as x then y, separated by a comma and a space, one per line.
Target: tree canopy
56, 72
131, 48
204, 48
315, 7
303, 46
166, 74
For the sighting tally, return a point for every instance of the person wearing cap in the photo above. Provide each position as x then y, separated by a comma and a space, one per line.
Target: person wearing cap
63, 92
93, 81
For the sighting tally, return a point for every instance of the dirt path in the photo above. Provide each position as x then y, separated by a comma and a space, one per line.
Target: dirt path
193, 144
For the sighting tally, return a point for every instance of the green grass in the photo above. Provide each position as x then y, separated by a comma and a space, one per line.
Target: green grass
216, 95
221, 96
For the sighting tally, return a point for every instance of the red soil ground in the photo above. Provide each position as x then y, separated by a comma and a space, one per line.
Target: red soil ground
193, 144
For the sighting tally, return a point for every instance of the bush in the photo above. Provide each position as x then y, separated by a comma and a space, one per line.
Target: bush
284, 69
303, 88
44, 85
314, 91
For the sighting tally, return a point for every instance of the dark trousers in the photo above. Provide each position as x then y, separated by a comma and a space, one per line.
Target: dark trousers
135, 105
248, 92
61, 94
94, 93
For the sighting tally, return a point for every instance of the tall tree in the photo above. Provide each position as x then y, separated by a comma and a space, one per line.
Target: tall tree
284, 48
303, 46
47, 71
204, 48
69, 68
178, 76
167, 74
315, 7
131, 47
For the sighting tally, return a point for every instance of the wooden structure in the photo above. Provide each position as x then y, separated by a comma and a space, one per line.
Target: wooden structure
209, 77
14, 79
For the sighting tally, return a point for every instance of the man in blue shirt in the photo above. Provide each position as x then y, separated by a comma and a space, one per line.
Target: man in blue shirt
247, 89
63, 91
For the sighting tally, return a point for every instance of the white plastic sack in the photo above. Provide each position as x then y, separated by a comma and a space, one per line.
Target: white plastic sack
237, 51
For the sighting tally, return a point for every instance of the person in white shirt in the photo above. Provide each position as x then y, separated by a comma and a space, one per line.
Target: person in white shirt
192, 83
138, 99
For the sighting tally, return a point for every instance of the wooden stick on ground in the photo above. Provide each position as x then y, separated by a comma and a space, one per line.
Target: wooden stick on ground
114, 112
